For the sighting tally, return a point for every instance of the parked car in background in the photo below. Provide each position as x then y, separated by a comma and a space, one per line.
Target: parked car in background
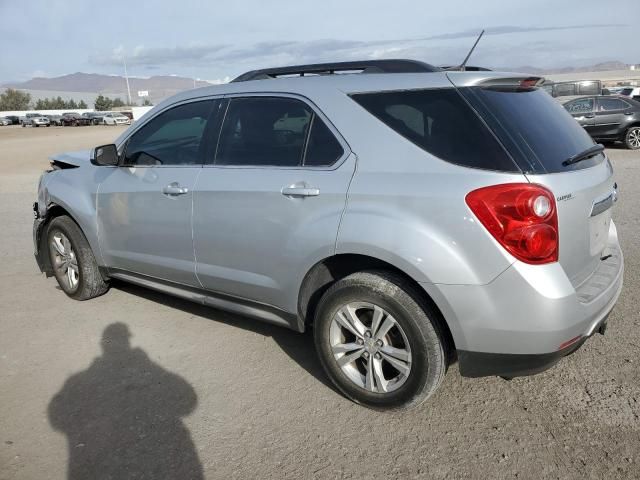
630, 92
15, 120
115, 118
28, 116
608, 118
565, 89
411, 218
73, 119
95, 118
55, 120
4, 121
35, 120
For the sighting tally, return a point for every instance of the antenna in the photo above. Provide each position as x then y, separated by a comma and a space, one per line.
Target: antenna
463, 64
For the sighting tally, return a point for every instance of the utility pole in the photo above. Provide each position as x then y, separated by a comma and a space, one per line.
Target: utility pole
126, 76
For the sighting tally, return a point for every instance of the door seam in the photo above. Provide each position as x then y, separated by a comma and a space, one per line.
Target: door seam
193, 239
346, 201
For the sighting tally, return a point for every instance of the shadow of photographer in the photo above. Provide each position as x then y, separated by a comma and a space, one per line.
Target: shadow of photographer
123, 416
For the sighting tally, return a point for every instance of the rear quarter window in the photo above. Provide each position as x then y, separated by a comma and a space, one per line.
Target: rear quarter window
440, 122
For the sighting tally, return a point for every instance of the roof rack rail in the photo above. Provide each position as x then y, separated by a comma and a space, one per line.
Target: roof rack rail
364, 66
467, 68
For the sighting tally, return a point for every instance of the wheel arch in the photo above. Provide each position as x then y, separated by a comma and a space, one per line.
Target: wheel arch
54, 210
331, 269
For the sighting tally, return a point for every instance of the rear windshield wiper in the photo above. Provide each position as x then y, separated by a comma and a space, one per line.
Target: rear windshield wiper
588, 153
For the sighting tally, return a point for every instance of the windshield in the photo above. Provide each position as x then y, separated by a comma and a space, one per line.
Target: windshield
537, 131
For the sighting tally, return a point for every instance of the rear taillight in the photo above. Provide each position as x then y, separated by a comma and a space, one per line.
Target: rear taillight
522, 217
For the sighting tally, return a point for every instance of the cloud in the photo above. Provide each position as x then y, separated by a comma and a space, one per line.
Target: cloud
507, 29
158, 56
228, 58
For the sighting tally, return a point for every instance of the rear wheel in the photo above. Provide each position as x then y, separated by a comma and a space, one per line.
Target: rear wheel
632, 138
74, 265
379, 345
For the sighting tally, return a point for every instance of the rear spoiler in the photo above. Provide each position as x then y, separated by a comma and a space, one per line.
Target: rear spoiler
494, 79
514, 81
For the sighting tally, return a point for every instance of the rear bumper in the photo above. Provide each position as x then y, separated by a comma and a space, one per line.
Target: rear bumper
509, 365
521, 322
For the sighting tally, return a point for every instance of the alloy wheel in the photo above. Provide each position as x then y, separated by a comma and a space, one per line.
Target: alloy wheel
634, 138
370, 347
64, 260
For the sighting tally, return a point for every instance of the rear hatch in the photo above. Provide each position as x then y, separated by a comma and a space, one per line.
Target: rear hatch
540, 136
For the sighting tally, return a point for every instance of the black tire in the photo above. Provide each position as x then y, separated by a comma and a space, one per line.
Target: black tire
90, 283
418, 320
632, 138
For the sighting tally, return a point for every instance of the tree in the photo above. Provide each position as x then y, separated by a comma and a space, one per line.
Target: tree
40, 104
117, 102
13, 99
103, 103
147, 103
82, 104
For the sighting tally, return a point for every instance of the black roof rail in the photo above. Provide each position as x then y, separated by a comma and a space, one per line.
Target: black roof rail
365, 66
467, 68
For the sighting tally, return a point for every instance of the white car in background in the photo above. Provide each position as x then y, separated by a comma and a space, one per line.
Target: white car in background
115, 119
630, 92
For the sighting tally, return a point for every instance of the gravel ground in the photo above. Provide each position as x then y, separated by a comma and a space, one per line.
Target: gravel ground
209, 394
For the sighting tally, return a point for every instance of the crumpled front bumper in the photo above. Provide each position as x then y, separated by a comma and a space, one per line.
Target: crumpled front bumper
38, 230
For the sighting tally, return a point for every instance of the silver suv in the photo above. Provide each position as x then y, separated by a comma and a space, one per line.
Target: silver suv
413, 217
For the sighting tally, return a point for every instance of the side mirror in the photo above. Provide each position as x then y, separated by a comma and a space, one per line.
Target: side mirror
105, 155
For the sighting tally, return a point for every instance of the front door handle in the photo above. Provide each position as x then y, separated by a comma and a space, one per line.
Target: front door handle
294, 191
174, 189
590, 115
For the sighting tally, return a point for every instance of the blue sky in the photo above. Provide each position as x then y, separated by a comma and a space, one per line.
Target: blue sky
212, 39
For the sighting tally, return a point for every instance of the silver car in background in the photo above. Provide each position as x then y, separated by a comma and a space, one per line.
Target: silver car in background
412, 217
36, 120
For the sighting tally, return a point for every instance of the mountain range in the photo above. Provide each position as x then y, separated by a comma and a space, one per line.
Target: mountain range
158, 87
162, 86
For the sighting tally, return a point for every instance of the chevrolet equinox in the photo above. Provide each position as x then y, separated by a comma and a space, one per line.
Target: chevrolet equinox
413, 217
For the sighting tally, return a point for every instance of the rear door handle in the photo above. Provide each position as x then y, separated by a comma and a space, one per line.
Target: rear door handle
300, 192
174, 189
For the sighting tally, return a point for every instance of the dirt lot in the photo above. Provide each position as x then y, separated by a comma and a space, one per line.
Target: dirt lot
204, 391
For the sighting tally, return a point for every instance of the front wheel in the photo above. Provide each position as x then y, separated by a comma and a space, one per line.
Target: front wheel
378, 342
632, 138
72, 260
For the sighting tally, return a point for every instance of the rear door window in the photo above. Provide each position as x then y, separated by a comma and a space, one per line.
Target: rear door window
323, 149
582, 105
440, 122
275, 131
260, 131
611, 104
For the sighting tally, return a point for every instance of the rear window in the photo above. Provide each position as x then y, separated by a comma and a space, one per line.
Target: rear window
538, 132
440, 122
